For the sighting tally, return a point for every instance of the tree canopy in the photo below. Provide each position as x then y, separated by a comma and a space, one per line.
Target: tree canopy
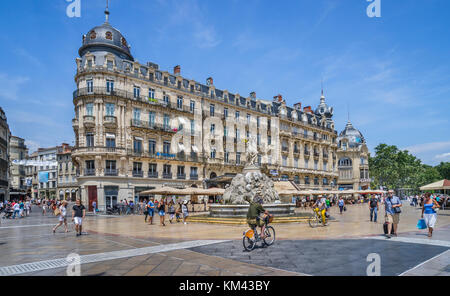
394, 168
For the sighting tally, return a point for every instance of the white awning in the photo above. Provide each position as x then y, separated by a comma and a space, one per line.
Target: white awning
195, 149
138, 138
110, 136
181, 146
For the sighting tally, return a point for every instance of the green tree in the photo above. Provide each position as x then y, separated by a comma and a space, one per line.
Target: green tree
444, 170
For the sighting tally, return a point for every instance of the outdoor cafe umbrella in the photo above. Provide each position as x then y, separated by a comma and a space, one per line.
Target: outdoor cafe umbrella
162, 191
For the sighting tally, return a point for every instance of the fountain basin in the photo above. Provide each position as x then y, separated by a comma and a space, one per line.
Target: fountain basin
236, 211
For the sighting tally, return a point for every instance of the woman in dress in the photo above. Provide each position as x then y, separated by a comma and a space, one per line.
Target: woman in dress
62, 216
429, 213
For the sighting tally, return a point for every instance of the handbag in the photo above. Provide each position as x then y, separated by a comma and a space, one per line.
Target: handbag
421, 224
57, 212
345, 208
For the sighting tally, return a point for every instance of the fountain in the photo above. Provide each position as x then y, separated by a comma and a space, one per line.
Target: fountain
250, 186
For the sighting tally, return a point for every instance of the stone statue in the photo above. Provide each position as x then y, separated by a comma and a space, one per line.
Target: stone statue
252, 151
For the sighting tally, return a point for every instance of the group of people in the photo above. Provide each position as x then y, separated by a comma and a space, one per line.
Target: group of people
416, 200
392, 204
174, 209
16, 208
78, 214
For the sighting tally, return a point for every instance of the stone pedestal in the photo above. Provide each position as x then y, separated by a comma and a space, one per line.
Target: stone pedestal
240, 211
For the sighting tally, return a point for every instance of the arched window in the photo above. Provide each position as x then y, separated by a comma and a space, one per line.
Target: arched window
345, 162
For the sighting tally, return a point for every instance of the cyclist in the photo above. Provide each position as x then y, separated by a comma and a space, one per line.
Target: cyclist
253, 216
320, 207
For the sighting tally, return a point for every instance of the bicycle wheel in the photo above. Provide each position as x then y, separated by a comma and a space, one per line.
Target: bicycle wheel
313, 221
248, 243
270, 235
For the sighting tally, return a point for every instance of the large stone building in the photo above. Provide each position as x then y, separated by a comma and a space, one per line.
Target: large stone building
353, 156
17, 151
138, 127
67, 180
5, 134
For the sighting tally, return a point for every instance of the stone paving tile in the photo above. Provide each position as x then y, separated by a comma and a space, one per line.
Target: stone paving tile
141, 270
186, 268
166, 267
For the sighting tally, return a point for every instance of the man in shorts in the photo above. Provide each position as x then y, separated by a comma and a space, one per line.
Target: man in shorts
392, 206
253, 216
78, 214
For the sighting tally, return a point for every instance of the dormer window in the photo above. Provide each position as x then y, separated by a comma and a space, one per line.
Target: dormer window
124, 42
108, 35
92, 35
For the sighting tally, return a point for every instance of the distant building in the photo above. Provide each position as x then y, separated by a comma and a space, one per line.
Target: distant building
5, 134
67, 179
353, 159
32, 177
17, 184
47, 174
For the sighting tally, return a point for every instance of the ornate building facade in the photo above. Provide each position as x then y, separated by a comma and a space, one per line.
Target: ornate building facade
67, 180
5, 134
138, 127
17, 151
353, 156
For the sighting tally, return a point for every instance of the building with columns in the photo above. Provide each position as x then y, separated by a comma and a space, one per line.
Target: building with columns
138, 127
353, 163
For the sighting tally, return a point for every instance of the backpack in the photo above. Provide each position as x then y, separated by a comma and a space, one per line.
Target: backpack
373, 203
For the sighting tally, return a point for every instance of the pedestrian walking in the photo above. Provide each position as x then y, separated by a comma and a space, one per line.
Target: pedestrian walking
392, 206
94, 207
171, 211
145, 206
151, 210
78, 214
162, 212
341, 204
429, 212
373, 207
16, 208
62, 217
184, 210
44, 208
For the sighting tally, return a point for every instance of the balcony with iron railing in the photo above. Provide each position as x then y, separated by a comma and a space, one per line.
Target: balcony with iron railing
104, 91
89, 172
111, 172
167, 175
181, 176
138, 174
152, 126
153, 175
193, 177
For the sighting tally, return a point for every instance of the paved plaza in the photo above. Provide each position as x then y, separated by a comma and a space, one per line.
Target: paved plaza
125, 245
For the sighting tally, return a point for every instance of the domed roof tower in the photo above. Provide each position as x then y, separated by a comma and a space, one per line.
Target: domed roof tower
353, 136
105, 39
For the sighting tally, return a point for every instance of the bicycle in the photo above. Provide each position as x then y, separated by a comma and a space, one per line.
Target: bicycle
252, 237
316, 219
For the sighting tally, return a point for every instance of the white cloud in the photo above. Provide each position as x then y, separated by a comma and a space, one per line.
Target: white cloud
427, 147
443, 156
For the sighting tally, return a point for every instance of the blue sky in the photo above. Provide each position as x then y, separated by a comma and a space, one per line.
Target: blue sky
392, 73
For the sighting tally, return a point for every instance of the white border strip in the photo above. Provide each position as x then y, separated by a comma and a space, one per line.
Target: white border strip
98, 257
424, 262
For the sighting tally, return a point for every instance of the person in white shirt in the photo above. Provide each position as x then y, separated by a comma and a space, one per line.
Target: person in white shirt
62, 217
